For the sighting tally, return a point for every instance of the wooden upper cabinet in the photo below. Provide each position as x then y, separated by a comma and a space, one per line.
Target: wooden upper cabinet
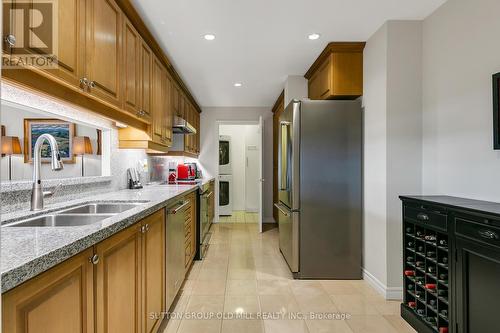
338, 72
104, 50
145, 82
118, 283
157, 134
168, 112
153, 247
60, 300
176, 101
132, 47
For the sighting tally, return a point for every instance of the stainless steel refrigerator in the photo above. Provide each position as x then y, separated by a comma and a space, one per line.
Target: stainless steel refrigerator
320, 188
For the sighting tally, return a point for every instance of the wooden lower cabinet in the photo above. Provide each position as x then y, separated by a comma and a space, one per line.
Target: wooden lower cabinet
118, 283
58, 301
153, 270
115, 286
190, 231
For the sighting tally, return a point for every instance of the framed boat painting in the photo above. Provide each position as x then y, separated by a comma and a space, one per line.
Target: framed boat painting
496, 110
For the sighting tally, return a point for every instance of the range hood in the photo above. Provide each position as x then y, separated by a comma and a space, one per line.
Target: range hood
180, 125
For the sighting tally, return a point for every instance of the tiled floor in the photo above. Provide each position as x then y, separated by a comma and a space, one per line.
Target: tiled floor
244, 273
240, 216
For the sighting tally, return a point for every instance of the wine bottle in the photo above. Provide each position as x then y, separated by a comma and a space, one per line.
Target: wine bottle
420, 233
430, 238
442, 293
431, 254
443, 330
420, 264
410, 259
412, 305
409, 273
444, 312
431, 269
420, 279
409, 230
443, 277
443, 242
421, 312
431, 320
430, 286
432, 303
419, 294
420, 248
444, 260
410, 244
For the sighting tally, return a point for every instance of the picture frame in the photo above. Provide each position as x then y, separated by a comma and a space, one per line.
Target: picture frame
496, 111
63, 131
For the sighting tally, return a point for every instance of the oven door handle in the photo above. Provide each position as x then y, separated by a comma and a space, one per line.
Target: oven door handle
209, 194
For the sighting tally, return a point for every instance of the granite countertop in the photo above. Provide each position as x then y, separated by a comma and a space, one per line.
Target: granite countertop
29, 251
472, 205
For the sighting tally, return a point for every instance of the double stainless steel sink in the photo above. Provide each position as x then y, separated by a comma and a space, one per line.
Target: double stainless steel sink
77, 216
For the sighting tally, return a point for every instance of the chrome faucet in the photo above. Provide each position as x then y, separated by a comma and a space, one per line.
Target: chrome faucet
37, 193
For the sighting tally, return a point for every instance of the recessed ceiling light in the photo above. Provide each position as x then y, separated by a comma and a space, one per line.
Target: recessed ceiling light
237, 84
209, 37
314, 36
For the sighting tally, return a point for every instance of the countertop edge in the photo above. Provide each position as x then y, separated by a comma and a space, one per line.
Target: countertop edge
28, 270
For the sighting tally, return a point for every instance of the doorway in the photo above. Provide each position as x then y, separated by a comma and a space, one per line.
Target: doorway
240, 172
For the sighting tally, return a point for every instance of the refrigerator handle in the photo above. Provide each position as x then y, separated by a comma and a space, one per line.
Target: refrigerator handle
277, 205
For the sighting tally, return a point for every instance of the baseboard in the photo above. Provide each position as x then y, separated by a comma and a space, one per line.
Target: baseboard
389, 293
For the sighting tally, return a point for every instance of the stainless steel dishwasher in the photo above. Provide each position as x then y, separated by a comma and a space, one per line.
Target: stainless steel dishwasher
176, 214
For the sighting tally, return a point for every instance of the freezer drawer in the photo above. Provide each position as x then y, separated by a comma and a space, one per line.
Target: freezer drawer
288, 222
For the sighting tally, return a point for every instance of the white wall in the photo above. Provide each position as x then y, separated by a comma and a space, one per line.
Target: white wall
461, 52
209, 143
252, 183
392, 145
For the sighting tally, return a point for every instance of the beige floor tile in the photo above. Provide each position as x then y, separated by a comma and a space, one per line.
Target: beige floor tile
241, 287
285, 326
198, 326
399, 324
305, 287
241, 274
328, 326
175, 321
209, 287
241, 304
354, 304
273, 287
205, 304
242, 326
340, 287
278, 303
370, 323
315, 303
212, 274
387, 307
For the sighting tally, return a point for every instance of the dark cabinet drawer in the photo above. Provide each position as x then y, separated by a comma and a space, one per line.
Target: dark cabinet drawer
426, 216
477, 231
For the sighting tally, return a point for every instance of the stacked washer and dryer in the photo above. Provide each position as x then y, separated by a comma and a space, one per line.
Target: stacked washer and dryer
225, 176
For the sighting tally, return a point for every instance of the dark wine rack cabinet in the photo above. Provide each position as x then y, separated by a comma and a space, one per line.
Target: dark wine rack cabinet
451, 264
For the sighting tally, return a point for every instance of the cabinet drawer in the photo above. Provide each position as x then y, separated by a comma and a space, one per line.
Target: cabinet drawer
477, 231
426, 216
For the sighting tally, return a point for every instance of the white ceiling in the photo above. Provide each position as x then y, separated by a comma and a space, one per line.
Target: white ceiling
260, 42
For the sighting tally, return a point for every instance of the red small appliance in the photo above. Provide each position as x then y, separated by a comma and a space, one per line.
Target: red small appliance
183, 171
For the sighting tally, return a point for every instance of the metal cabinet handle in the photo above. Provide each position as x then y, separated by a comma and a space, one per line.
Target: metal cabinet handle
10, 40
281, 210
176, 210
423, 217
147, 227
84, 81
209, 194
488, 234
141, 113
94, 259
92, 84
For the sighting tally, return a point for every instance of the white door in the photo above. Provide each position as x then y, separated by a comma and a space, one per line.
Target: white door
261, 172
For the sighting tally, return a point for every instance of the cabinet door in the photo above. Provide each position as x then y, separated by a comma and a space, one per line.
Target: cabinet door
176, 101
145, 81
132, 44
104, 50
153, 269
320, 82
70, 52
118, 283
193, 224
167, 111
157, 107
57, 301
477, 276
